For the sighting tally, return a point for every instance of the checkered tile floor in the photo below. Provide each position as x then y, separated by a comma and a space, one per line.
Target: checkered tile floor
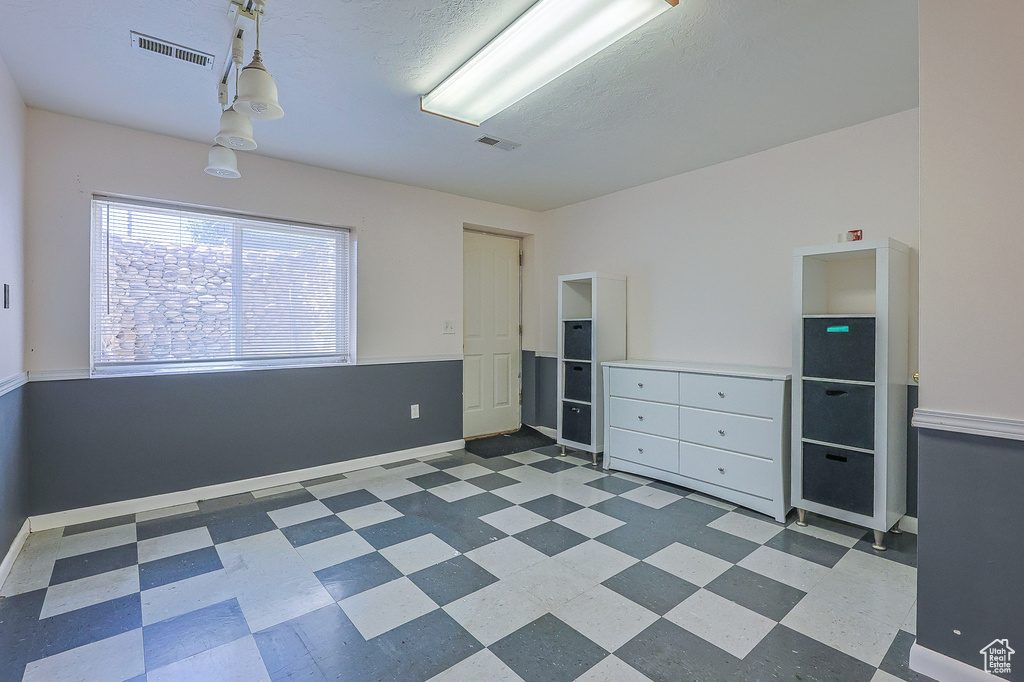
527, 567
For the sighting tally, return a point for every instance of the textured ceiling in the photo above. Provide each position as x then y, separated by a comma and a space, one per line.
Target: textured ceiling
708, 81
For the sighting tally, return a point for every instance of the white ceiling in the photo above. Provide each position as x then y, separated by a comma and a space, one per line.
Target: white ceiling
708, 81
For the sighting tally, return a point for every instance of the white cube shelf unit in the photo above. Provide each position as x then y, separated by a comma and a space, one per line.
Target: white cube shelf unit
850, 366
591, 329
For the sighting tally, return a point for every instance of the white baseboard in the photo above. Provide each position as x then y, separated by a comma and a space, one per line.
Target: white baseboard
12, 382
945, 669
8, 563
908, 524
550, 433
143, 504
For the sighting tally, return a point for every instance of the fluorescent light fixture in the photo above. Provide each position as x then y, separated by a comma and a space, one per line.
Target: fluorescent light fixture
552, 37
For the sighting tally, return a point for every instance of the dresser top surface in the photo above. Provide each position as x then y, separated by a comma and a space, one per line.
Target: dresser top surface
746, 371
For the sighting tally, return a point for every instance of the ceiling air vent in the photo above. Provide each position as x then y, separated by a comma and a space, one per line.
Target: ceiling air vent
162, 47
498, 143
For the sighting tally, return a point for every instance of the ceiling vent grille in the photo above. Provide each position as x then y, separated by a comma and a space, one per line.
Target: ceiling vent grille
498, 143
162, 47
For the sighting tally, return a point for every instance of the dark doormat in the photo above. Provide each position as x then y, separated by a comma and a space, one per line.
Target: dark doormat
508, 443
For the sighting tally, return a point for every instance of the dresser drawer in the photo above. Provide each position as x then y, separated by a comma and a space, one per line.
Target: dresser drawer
759, 397
657, 419
644, 384
641, 448
745, 474
750, 435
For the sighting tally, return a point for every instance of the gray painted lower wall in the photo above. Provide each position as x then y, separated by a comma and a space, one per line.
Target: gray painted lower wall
95, 441
540, 390
13, 467
970, 545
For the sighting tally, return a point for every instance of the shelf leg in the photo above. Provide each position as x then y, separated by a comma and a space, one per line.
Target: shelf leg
563, 452
595, 459
801, 517
879, 541
896, 529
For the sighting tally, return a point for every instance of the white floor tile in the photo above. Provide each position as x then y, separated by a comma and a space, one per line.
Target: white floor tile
506, 557
333, 488
419, 553
95, 589
825, 534
589, 522
270, 580
389, 489
277, 490
714, 502
483, 666
300, 513
580, 494
528, 474
527, 457
551, 583
512, 520
522, 492
369, 474
745, 527
471, 470
237, 661
722, 622
910, 624
334, 550
459, 490
612, 669
385, 607
862, 637
495, 611
595, 560
689, 564
579, 475
165, 512
369, 514
652, 497
185, 596
630, 477
864, 598
109, 660
96, 540
413, 469
882, 573
34, 565
605, 616
786, 568
882, 676
176, 543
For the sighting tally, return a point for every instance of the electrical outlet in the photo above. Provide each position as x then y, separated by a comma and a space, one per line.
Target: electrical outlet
449, 326
414, 411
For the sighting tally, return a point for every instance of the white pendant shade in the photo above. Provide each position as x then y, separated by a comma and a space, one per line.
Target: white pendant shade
235, 131
223, 162
257, 92
552, 37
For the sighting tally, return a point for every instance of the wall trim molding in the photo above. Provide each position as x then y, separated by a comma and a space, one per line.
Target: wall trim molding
945, 669
57, 374
8, 563
994, 427
143, 504
547, 431
908, 524
403, 360
545, 354
13, 382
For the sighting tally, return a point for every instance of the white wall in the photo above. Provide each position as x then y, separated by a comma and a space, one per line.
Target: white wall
409, 239
708, 254
12, 154
972, 207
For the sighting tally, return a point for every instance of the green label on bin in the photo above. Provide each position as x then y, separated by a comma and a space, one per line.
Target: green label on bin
843, 328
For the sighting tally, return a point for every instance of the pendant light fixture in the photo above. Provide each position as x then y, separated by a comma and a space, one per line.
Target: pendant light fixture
223, 163
257, 91
235, 128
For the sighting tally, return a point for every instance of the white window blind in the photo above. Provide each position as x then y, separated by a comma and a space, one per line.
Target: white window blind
176, 288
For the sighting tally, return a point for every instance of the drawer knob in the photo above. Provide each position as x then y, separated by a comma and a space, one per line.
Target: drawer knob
640, 417
640, 385
640, 450
721, 394
721, 470
721, 432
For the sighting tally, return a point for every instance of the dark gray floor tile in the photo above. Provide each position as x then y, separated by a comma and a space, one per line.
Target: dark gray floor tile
687, 513
750, 513
178, 567
613, 485
629, 511
192, 633
640, 540
807, 547
433, 479
220, 504
465, 535
555, 450
553, 465
670, 488
551, 506
237, 527
289, 498
452, 579
99, 525
478, 505
756, 592
666, 652
492, 481
897, 659
154, 528
404, 462
317, 529
357, 575
498, 463
77, 628
899, 547
451, 460
94, 563
551, 538
392, 532
323, 479
426, 646
352, 500
717, 543
548, 649
788, 655
651, 587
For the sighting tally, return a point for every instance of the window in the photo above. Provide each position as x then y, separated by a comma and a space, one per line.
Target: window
178, 289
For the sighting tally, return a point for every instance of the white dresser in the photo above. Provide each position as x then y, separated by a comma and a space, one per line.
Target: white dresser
722, 430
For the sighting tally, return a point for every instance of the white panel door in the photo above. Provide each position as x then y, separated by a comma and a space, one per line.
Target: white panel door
491, 342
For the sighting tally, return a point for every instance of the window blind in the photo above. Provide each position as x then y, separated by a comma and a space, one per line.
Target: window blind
177, 288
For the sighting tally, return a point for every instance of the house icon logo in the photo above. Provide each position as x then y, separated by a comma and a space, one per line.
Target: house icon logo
997, 657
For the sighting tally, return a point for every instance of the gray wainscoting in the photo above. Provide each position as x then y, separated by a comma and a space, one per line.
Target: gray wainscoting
970, 545
94, 441
13, 467
540, 390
